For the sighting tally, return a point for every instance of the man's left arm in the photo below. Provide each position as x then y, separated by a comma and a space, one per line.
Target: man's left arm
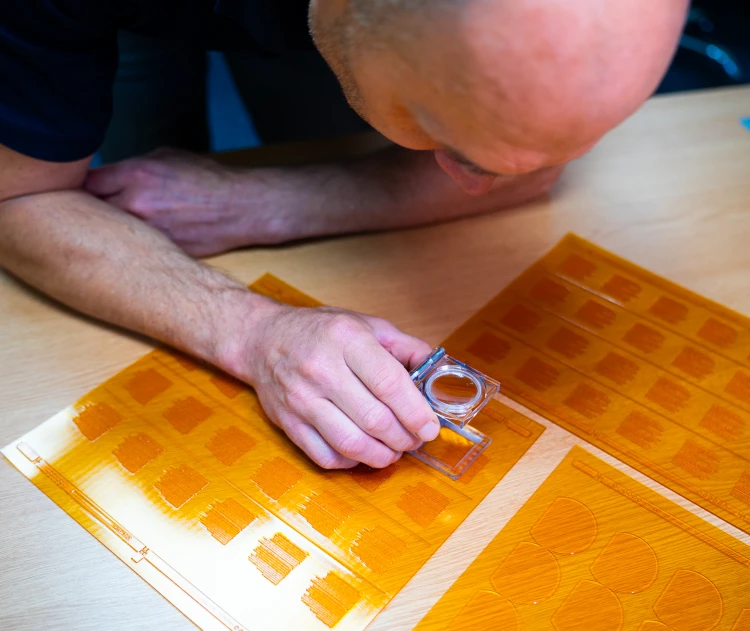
207, 208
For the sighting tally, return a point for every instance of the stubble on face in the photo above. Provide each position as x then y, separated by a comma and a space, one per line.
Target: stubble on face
333, 41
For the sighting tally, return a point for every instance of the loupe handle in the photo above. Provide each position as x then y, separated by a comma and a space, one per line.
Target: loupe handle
419, 373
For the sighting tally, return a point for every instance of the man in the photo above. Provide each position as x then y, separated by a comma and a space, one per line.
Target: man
497, 94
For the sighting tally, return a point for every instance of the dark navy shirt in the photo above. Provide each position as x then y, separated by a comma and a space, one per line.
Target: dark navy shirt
58, 58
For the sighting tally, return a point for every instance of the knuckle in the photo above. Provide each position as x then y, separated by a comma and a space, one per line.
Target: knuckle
387, 384
297, 401
384, 327
352, 445
278, 373
344, 327
376, 420
315, 371
380, 422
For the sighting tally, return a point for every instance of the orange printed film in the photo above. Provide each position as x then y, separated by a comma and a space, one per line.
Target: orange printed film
594, 550
174, 467
643, 369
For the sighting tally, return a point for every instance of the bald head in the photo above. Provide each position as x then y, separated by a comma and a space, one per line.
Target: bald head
505, 86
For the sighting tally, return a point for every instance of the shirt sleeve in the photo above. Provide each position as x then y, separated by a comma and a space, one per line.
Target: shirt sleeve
57, 64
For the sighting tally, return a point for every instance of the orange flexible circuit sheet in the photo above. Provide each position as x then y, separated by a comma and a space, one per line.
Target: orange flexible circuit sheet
173, 466
593, 550
643, 369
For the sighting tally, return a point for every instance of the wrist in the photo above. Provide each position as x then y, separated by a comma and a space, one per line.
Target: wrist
277, 205
239, 331
268, 205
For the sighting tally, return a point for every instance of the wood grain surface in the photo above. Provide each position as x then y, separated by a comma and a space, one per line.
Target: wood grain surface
669, 190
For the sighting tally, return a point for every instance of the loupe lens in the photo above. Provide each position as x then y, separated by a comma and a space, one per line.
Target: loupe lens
453, 390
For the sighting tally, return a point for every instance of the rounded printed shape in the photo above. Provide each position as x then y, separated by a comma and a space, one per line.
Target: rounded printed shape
486, 610
528, 576
689, 602
589, 607
566, 527
627, 565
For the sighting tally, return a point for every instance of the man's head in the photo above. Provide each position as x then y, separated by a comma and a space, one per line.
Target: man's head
497, 86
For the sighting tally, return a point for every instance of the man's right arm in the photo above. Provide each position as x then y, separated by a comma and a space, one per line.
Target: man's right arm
111, 266
330, 378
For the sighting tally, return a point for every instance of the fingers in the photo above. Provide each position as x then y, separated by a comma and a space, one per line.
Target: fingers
106, 181
342, 397
346, 438
410, 351
389, 381
309, 440
371, 415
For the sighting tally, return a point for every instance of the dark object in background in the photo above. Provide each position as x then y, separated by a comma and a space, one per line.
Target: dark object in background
715, 47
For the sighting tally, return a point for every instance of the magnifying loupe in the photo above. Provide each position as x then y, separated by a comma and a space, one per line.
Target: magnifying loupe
457, 393
453, 390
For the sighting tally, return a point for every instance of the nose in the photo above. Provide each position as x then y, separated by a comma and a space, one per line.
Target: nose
471, 182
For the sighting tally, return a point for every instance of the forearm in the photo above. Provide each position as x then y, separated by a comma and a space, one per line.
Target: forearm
393, 188
114, 267
306, 365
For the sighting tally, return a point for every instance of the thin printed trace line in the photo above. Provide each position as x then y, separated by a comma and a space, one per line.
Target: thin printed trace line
612, 300
546, 267
659, 512
505, 422
97, 513
606, 298
582, 430
578, 245
521, 431
617, 392
689, 341
628, 352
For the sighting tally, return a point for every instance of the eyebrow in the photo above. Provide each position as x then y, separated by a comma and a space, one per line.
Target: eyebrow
468, 164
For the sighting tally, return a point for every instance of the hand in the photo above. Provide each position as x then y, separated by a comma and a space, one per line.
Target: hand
187, 197
335, 382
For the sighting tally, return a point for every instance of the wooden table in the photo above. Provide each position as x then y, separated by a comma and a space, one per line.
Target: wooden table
669, 190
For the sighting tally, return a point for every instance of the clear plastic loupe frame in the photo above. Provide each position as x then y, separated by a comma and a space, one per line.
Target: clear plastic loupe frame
457, 393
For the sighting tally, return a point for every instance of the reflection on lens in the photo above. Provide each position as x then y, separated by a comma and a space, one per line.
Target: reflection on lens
453, 389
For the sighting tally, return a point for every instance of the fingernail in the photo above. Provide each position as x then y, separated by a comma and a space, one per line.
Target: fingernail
429, 432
